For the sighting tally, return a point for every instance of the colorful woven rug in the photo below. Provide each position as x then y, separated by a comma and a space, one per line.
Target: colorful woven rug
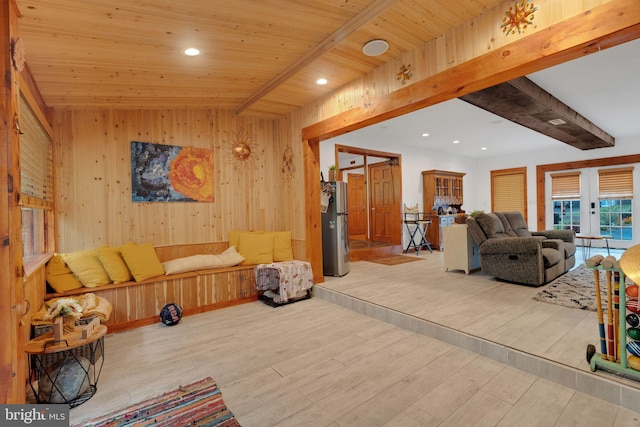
575, 289
395, 259
197, 404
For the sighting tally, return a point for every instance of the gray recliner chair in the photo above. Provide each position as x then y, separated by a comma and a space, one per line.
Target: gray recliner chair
510, 252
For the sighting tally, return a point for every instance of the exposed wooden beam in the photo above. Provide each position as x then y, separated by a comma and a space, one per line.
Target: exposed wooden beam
353, 25
524, 102
602, 27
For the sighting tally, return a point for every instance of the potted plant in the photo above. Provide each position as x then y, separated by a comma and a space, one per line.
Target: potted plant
333, 173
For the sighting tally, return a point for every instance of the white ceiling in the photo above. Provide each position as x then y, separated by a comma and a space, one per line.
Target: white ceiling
604, 87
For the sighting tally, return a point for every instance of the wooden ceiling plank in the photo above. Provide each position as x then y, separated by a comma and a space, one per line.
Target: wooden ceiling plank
354, 24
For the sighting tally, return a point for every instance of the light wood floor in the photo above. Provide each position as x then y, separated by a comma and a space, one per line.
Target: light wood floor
314, 363
476, 304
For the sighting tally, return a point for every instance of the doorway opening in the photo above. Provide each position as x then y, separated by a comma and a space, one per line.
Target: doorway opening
374, 195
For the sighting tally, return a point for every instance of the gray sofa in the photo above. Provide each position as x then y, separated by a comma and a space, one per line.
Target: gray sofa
510, 252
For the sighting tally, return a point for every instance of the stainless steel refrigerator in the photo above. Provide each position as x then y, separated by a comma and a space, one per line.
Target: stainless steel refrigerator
335, 236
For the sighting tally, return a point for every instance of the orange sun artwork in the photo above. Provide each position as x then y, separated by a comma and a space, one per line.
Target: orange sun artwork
191, 173
241, 149
518, 18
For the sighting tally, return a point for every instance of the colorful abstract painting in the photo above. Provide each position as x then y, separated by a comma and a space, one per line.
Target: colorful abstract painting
167, 173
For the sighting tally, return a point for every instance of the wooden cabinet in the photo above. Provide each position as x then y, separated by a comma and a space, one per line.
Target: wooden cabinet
462, 253
441, 189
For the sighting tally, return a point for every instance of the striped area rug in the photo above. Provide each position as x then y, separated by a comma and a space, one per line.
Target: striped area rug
197, 404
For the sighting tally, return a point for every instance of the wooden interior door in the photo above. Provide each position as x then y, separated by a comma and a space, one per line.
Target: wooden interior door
384, 181
357, 197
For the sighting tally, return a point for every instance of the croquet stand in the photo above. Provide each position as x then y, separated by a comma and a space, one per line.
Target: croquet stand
600, 360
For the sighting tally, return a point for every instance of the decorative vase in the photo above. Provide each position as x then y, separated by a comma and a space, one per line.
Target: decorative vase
333, 175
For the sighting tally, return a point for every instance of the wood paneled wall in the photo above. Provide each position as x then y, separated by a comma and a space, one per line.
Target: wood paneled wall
12, 304
466, 42
93, 178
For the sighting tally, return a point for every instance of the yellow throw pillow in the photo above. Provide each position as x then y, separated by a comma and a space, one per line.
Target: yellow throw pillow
56, 266
142, 261
282, 250
59, 275
87, 268
114, 265
256, 248
234, 238
64, 282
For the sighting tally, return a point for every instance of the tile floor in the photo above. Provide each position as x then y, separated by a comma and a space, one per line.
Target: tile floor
489, 356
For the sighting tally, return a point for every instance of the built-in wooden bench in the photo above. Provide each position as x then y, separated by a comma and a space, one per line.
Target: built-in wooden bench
138, 304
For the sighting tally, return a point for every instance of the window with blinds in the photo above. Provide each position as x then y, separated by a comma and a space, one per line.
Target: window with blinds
565, 199
615, 194
36, 157
565, 185
615, 183
36, 185
509, 190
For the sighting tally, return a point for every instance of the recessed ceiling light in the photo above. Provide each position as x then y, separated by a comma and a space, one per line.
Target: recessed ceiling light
321, 81
456, 142
425, 134
557, 122
192, 51
375, 47
484, 148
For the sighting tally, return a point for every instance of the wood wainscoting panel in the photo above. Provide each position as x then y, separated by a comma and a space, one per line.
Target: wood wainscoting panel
139, 304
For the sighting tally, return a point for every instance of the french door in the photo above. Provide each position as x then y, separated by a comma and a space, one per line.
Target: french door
594, 201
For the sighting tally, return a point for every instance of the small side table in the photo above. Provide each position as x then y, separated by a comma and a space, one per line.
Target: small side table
66, 371
586, 243
417, 224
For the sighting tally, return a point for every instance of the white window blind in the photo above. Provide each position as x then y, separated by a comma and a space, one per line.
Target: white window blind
509, 190
565, 185
36, 156
615, 183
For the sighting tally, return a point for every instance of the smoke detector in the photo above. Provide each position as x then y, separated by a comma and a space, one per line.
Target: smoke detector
375, 47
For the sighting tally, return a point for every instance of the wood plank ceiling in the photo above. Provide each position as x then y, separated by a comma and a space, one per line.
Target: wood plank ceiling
261, 57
